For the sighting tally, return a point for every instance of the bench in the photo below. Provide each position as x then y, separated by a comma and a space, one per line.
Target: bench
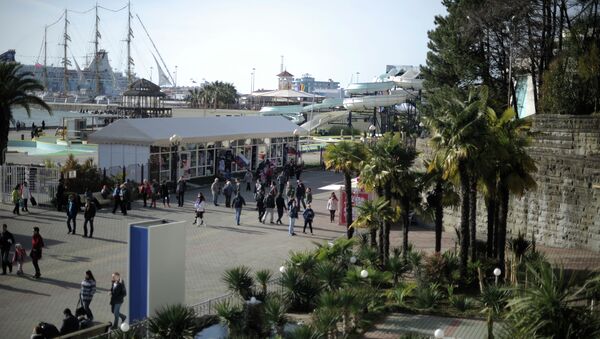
89, 332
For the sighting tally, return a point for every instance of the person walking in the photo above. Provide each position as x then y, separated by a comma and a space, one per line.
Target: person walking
281, 180
25, 195
164, 194
180, 190
155, 193
332, 205
117, 296
19, 258
269, 207
290, 191
6, 242
72, 210
215, 189
125, 195
116, 197
308, 196
237, 203
309, 216
16, 199
280, 203
300, 194
60, 194
200, 208
89, 213
293, 214
228, 190
260, 205
88, 288
145, 191
237, 186
37, 243
248, 177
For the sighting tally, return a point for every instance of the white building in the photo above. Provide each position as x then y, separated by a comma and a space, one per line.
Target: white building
203, 147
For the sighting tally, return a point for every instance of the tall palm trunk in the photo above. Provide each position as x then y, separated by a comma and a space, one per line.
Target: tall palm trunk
348, 187
473, 217
464, 221
387, 227
490, 203
380, 250
501, 228
373, 237
439, 215
374, 231
406, 222
5, 115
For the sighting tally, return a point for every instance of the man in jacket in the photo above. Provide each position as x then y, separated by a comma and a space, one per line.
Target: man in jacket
228, 192
180, 190
116, 197
269, 206
214, 189
70, 323
60, 195
88, 214
6, 242
237, 203
72, 209
280, 203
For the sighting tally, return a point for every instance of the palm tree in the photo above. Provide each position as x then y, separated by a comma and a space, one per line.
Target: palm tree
239, 281
16, 88
387, 170
493, 299
457, 127
373, 214
441, 194
515, 167
345, 157
551, 306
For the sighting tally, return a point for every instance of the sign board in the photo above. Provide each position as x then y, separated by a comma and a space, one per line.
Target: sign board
72, 174
358, 198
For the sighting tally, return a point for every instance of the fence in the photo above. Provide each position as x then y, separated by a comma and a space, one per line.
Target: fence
42, 182
206, 307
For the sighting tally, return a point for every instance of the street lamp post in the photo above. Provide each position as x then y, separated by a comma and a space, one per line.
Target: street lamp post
175, 142
497, 273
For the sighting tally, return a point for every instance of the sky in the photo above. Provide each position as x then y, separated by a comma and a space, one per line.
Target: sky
226, 39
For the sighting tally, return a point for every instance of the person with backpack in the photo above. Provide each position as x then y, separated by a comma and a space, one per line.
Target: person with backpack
117, 296
237, 203
309, 216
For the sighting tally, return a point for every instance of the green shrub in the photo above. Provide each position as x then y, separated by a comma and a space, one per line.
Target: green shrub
206, 321
299, 289
174, 321
239, 281
428, 296
231, 315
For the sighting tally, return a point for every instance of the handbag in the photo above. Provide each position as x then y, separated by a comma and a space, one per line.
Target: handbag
33, 202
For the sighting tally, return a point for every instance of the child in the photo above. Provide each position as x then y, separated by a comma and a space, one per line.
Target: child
199, 204
19, 258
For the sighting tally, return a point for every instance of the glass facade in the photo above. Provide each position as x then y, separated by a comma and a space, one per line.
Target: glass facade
216, 158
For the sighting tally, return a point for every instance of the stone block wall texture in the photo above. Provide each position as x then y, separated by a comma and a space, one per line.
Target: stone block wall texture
564, 210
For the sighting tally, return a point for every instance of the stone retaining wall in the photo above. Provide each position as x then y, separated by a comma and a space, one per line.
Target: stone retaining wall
564, 210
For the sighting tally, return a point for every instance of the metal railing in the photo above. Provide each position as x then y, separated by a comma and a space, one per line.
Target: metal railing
140, 328
41, 181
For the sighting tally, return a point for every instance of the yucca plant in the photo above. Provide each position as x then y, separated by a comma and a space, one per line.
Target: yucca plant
397, 267
329, 275
305, 261
262, 278
493, 300
173, 321
239, 281
275, 313
231, 315
427, 297
305, 332
519, 246
325, 321
402, 292
299, 289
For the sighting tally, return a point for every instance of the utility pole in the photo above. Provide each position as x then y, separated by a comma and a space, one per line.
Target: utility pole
96, 59
65, 60
45, 57
129, 36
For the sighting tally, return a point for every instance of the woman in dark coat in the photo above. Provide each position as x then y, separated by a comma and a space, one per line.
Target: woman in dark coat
37, 243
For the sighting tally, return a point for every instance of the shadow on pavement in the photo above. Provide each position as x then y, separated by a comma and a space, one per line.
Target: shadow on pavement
8, 288
235, 229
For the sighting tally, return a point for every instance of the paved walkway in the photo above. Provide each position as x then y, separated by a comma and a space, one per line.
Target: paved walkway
396, 324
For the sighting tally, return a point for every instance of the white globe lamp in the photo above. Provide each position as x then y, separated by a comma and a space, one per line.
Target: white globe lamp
364, 274
439, 333
125, 327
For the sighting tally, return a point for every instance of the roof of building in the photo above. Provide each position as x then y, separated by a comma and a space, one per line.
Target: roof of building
143, 88
157, 131
286, 93
285, 74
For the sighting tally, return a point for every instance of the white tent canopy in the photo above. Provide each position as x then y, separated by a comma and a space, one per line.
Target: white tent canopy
157, 131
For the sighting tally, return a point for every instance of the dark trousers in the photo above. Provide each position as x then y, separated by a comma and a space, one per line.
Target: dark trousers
331, 215
16, 209
116, 205
124, 207
227, 200
85, 230
145, 197
309, 223
180, 198
74, 218
6, 260
248, 188
34, 261
59, 202
301, 201
24, 205
86, 306
279, 214
261, 213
